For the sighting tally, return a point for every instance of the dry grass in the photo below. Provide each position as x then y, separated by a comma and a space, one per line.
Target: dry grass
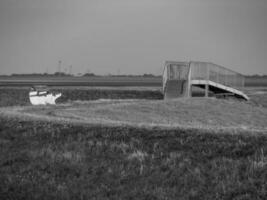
61, 152
43, 160
186, 113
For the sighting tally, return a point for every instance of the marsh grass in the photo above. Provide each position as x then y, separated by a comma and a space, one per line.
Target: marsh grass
201, 113
45, 156
44, 160
14, 96
20, 96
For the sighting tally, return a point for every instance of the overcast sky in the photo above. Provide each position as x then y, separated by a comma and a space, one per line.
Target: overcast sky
131, 36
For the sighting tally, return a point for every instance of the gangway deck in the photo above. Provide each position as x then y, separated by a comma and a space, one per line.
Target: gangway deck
179, 77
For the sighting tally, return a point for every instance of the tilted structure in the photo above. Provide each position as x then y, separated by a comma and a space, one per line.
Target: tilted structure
179, 77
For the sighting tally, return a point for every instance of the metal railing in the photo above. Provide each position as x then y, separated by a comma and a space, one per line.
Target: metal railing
216, 73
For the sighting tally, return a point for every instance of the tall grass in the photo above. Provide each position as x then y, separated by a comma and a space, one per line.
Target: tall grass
41, 160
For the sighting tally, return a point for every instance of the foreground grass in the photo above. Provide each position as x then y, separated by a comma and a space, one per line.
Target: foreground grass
44, 160
51, 160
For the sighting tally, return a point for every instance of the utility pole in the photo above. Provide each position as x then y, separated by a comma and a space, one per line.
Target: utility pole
59, 66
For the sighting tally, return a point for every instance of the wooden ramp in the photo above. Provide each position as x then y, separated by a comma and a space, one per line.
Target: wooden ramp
179, 77
218, 88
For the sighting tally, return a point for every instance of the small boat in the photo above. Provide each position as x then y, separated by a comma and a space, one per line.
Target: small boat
43, 97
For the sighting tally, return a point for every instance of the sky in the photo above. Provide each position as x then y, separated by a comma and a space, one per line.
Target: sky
131, 36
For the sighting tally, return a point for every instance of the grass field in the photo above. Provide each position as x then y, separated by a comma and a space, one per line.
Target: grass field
132, 149
12, 96
199, 113
49, 160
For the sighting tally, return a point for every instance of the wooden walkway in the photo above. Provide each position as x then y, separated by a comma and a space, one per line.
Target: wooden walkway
179, 77
218, 88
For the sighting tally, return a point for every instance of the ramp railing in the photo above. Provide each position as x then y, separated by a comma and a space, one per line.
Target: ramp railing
217, 74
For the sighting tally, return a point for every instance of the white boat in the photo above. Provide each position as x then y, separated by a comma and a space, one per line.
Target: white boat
43, 97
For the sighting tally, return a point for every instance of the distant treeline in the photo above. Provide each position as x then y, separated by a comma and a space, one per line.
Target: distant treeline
80, 74
41, 74
256, 76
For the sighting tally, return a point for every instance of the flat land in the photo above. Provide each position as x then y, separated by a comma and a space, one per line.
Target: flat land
81, 81
199, 113
131, 148
14, 96
102, 81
